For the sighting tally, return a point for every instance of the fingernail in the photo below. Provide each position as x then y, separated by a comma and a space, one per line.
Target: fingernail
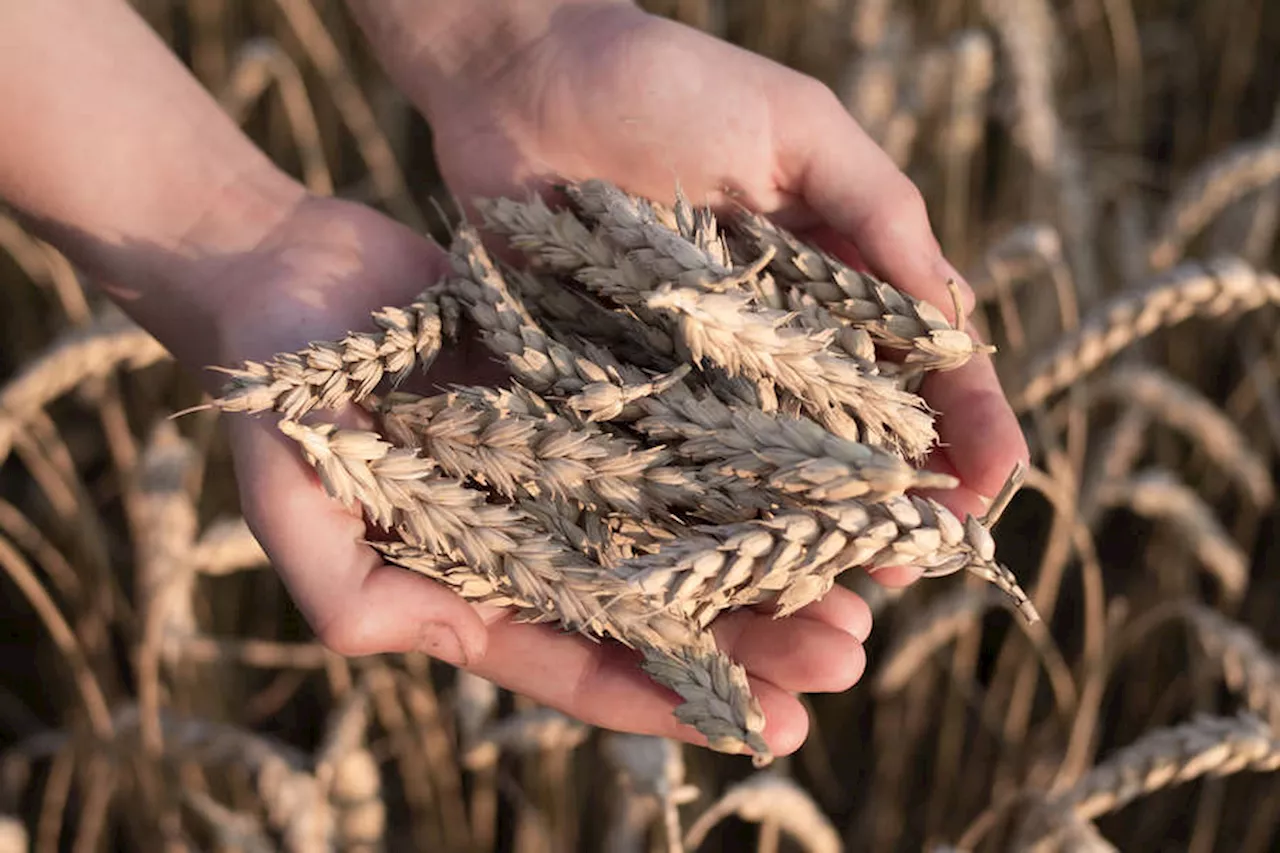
441, 642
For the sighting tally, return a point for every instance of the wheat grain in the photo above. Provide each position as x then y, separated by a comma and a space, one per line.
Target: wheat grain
1223, 287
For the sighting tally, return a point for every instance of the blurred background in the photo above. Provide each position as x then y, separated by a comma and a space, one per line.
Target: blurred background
1088, 164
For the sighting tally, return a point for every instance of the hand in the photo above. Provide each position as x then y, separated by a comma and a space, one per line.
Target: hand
605, 90
319, 273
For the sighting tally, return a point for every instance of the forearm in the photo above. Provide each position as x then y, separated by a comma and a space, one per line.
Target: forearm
115, 154
442, 53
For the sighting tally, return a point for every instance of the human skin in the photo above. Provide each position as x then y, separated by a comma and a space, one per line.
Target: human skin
129, 167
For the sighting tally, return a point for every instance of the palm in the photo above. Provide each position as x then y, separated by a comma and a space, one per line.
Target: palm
649, 105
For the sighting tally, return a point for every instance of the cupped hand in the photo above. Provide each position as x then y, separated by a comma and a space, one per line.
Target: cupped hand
605, 90
318, 274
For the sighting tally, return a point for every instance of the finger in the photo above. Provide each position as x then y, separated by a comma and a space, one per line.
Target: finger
895, 577
355, 604
602, 685
796, 654
853, 186
977, 427
840, 608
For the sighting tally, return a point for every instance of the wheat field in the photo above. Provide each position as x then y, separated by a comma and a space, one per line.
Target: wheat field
1106, 174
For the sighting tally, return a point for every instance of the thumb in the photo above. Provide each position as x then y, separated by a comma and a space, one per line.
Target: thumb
356, 604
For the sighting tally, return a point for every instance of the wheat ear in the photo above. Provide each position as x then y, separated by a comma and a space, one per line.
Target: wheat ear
1208, 191
770, 799
112, 341
893, 319
1161, 496
651, 776
330, 375
1248, 666
1207, 746
490, 552
797, 554
1223, 287
1181, 407
722, 328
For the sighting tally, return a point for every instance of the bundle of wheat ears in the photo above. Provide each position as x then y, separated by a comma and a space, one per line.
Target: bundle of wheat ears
703, 415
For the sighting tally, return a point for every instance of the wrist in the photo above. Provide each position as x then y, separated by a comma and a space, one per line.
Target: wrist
446, 55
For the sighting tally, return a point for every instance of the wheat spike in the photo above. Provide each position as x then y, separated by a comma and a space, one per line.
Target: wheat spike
514, 442
494, 553
771, 798
1207, 746
1160, 495
797, 554
226, 546
1248, 666
717, 698
1179, 406
112, 341
449, 528
330, 375
1222, 287
678, 246
1208, 191
929, 630
525, 733
721, 327
651, 775
891, 318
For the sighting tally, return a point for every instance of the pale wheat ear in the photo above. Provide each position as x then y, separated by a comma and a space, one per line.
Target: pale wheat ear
637, 505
